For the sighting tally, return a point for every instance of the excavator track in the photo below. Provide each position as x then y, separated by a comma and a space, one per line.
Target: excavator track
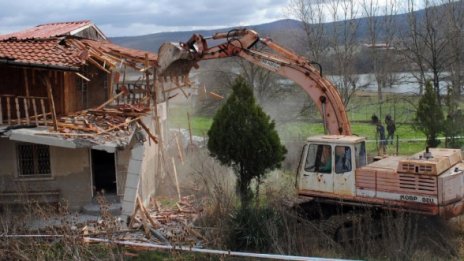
341, 227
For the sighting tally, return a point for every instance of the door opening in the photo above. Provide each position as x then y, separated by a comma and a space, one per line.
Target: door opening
103, 171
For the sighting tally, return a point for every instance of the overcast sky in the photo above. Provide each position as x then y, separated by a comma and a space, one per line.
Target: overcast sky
138, 17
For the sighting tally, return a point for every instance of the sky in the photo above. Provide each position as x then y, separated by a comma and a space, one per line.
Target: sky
139, 17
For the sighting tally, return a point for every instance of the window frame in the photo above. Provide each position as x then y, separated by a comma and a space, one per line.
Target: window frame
316, 158
341, 171
36, 161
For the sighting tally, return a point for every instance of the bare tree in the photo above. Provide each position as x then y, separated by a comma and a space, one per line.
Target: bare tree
424, 43
381, 30
344, 47
453, 28
311, 15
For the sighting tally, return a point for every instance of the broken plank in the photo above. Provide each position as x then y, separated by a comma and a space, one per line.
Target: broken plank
179, 151
144, 218
216, 96
92, 61
144, 211
132, 217
153, 137
75, 127
82, 76
65, 134
51, 102
124, 91
120, 125
175, 176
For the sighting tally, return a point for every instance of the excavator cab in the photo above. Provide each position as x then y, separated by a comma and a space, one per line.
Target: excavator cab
328, 164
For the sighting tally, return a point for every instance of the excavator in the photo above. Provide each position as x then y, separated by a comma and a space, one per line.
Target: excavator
428, 183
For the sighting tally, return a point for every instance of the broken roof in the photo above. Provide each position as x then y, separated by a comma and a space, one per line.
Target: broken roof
59, 46
53, 30
49, 52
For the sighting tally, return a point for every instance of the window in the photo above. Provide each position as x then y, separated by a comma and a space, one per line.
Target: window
360, 154
342, 159
319, 158
33, 159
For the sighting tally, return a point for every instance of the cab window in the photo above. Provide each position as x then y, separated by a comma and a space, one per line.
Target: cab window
319, 158
342, 159
360, 154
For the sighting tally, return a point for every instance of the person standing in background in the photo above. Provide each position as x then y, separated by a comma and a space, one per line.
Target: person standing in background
391, 128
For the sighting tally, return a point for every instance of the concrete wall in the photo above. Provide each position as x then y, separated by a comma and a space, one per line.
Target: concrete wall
71, 171
149, 164
140, 171
70, 174
122, 162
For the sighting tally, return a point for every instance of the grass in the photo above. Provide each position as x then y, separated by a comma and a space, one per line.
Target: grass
360, 111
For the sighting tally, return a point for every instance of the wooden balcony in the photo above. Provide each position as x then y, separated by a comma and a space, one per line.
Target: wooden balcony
18, 110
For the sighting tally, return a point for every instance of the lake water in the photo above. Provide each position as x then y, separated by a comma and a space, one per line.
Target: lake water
403, 83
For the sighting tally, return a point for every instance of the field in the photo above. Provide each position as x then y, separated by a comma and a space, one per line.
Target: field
360, 110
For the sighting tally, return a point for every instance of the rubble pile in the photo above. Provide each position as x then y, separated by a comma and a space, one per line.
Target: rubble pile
115, 124
168, 224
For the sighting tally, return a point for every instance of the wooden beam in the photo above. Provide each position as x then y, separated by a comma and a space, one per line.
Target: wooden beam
123, 92
51, 102
82, 76
34, 107
216, 96
8, 109
120, 125
190, 128
175, 176
18, 112
1, 111
153, 222
26, 83
179, 151
153, 137
92, 61
26, 110
42, 106
147, 75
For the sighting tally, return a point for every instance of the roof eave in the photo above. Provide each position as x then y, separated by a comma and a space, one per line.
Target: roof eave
42, 66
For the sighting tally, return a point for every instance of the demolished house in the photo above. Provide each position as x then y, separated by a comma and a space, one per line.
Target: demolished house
70, 125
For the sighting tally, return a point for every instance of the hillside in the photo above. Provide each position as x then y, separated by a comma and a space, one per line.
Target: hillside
152, 42
287, 32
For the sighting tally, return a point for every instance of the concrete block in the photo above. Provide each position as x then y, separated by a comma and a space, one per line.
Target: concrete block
132, 181
128, 208
134, 166
130, 194
137, 152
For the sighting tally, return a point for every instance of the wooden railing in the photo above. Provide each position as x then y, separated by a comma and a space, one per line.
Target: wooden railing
16, 110
137, 94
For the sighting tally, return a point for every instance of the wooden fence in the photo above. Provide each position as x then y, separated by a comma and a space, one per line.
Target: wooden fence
16, 110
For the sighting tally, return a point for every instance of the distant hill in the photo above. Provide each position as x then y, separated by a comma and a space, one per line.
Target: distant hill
152, 42
286, 32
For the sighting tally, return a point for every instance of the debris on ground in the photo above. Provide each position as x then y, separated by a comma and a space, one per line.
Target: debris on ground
160, 224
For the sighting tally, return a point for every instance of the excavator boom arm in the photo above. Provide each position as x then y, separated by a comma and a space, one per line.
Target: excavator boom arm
177, 59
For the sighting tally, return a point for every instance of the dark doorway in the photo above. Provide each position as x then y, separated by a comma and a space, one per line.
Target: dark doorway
104, 171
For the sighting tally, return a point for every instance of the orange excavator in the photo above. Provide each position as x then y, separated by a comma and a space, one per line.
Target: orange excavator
429, 183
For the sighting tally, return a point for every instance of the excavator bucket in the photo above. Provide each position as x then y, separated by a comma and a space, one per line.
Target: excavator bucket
175, 60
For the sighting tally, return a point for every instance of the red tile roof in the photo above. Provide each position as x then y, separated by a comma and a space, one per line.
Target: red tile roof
48, 30
41, 52
52, 45
117, 50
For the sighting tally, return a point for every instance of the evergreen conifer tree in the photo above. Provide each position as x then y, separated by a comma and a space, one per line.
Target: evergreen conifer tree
243, 137
429, 116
